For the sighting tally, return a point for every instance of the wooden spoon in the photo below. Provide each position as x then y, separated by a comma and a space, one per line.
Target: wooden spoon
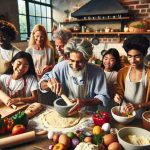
66, 99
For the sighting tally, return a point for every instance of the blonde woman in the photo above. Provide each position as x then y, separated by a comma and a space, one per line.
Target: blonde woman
41, 50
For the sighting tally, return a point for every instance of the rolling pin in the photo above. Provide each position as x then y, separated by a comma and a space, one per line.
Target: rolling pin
5, 98
66, 99
20, 138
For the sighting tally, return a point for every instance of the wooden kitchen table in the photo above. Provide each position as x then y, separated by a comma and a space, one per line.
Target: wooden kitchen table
42, 143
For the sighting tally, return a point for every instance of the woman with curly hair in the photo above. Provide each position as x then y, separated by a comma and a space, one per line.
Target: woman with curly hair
41, 50
8, 34
133, 82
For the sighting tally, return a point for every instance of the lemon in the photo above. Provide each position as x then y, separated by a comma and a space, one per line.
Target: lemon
97, 130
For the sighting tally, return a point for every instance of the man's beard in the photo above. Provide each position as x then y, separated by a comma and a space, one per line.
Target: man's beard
76, 74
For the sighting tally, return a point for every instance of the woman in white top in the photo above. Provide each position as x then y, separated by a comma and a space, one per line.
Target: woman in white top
19, 81
43, 57
41, 50
111, 65
8, 34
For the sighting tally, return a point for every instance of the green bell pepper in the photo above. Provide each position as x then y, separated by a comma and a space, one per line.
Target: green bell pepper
20, 118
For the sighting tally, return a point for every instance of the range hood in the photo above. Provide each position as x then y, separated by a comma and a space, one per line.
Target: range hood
100, 7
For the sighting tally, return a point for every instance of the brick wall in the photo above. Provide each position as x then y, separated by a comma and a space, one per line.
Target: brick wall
140, 9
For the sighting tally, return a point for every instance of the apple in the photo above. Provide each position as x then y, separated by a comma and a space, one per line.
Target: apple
18, 129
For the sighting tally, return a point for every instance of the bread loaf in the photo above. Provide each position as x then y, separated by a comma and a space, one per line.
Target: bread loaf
33, 109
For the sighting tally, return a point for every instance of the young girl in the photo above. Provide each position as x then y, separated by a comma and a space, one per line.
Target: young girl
41, 50
8, 34
19, 81
133, 84
111, 65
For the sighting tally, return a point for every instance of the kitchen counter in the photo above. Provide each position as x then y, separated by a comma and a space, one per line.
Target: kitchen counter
42, 143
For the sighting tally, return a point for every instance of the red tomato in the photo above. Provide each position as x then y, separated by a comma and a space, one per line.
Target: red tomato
9, 123
2, 130
18, 129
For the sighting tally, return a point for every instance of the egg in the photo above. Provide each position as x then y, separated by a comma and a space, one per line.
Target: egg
50, 135
109, 138
88, 139
64, 139
106, 127
55, 137
114, 146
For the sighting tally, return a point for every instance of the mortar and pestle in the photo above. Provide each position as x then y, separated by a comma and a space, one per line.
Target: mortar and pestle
63, 105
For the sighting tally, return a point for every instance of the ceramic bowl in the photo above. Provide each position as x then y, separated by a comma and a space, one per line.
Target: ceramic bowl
122, 119
124, 132
146, 120
61, 107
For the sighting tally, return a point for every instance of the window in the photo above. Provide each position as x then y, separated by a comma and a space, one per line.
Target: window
32, 12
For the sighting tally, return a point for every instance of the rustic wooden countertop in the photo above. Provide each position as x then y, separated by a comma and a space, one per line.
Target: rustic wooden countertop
43, 143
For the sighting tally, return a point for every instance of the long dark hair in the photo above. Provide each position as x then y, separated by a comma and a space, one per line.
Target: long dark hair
114, 52
28, 57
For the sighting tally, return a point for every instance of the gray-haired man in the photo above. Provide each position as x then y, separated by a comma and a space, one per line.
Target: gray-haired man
82, 82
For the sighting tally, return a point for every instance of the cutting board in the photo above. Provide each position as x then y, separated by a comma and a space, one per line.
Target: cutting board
6, 111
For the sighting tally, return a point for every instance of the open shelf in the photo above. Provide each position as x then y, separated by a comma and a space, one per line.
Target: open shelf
109, 33
98, 19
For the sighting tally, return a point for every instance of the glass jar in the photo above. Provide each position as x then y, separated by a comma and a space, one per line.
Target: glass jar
126, 29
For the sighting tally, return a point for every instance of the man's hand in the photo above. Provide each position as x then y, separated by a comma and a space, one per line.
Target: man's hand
55, 86
79, 104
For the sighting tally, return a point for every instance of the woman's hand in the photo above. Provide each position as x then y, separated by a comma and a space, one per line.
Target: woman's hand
79, 104
117, 99
13, 101
55, 86
38, 72
47, 68
129, 107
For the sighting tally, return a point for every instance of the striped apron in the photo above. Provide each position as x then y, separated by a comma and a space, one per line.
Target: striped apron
17, 93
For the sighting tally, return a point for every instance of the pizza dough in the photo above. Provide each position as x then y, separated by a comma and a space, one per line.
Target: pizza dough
52, 120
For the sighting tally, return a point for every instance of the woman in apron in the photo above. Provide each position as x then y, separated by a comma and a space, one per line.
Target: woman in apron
133, 86
19, 82
41, 50
43, 56
8, 34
